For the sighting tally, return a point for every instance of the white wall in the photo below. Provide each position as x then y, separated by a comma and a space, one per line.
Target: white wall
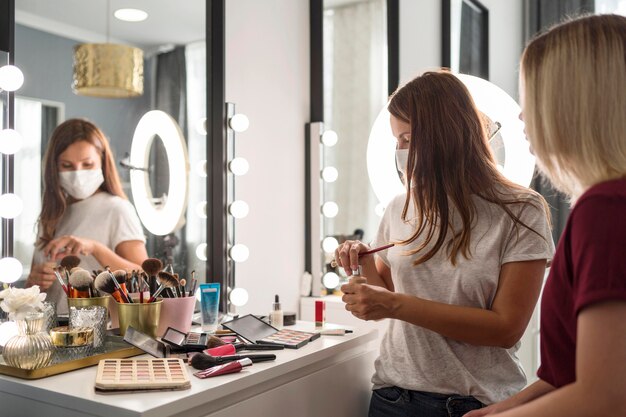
267, 77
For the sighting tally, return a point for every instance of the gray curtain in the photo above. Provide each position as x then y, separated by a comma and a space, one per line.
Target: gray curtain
170, 97
540, 15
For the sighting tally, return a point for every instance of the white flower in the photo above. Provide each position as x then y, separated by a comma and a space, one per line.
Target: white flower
18, 302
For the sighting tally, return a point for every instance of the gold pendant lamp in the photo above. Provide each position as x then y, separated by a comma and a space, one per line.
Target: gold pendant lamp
107, 69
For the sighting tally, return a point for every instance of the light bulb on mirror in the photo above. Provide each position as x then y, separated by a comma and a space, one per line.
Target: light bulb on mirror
329, 244
330, 138
201, 209
10, 141
239, 166
10, 270
239, 122
330, 174
330, 209
11, 78
201, 251
238, 297
201, 126
201, 168
11, 206
239, 253
8, 329
238, 209
330, 280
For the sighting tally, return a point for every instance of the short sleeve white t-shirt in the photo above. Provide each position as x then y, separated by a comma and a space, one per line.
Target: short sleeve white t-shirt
419, 359
103, 217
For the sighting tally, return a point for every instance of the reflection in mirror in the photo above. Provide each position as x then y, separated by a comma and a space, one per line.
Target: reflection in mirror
172, 38
465, 37
355, 88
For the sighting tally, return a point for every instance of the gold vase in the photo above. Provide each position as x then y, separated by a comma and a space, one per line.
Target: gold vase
31, 348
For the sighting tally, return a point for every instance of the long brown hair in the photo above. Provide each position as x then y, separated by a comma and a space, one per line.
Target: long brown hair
449, 161
54, 201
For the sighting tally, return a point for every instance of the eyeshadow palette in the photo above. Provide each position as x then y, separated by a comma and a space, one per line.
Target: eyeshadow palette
125, 375
290, 338
256, 330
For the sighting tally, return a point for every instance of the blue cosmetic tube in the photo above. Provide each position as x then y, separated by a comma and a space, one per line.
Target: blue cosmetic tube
209, 302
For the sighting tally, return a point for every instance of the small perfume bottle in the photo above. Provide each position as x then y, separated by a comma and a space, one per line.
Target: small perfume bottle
356, 277
276, 315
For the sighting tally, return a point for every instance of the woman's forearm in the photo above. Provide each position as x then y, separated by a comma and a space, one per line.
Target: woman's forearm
107, 257
472, 325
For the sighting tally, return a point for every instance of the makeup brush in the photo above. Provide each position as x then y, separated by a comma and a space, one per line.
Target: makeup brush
70, 262
104, 283
81, 282
123, 295
166, 280
58, 275
214, 341
152, 266
203, 361
334, 264
121, 276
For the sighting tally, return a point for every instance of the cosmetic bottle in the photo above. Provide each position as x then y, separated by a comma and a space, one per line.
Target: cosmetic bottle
356, 277
276, 315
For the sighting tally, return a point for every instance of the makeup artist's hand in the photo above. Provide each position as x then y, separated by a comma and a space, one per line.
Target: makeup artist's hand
68, 245
367, 302
347, 254
42, 275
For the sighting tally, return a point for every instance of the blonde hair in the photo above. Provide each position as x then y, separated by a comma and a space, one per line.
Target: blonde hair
574, 88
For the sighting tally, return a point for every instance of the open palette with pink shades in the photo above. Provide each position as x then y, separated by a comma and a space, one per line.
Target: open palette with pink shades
125, 375
255, 330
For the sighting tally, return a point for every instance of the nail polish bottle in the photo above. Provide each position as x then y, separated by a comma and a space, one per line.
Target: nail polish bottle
276, 315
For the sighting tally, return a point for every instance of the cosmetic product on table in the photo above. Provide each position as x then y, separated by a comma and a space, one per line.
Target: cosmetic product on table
276, 315
289, 318
203, 361
320, 313
128, 375
209, 302
227, 368
187, 342
335, 332
255, 330
230, 349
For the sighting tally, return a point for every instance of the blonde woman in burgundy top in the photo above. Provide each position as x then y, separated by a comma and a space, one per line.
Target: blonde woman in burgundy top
573, 82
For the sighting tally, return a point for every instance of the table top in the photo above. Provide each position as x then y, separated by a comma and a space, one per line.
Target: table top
75, 389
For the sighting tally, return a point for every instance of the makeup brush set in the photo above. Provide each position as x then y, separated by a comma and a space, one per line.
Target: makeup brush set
80, 283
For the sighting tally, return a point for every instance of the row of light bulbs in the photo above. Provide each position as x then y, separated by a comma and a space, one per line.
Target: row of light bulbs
11, 79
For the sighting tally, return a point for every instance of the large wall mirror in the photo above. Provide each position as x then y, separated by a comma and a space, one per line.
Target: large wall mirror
176, 81
354, 68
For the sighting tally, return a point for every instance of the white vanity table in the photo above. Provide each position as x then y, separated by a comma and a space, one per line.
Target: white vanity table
327, 377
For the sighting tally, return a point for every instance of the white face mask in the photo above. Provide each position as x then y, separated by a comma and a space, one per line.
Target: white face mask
82, 183
402, 160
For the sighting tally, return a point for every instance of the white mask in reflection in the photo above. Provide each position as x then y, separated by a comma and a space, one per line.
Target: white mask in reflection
402, 160
82, 183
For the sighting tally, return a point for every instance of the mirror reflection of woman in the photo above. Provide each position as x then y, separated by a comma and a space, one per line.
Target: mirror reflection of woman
461, 283
84, 211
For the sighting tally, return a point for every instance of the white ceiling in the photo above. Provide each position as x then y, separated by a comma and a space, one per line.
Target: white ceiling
169, 21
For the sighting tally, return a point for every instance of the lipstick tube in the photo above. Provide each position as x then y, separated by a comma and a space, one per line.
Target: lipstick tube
227, 368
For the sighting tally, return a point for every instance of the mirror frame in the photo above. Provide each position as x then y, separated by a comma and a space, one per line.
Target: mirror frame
315, 126
216, 187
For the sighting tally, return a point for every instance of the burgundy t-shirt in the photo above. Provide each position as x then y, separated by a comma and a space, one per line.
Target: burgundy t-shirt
589, 266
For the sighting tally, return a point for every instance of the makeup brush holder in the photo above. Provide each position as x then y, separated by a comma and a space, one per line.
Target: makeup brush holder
143, 317
176, 313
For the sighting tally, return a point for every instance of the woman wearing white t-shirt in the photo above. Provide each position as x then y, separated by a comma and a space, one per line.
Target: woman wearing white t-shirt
459, 296
84, 209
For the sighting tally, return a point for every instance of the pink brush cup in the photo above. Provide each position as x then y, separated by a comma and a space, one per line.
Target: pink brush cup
176, 313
